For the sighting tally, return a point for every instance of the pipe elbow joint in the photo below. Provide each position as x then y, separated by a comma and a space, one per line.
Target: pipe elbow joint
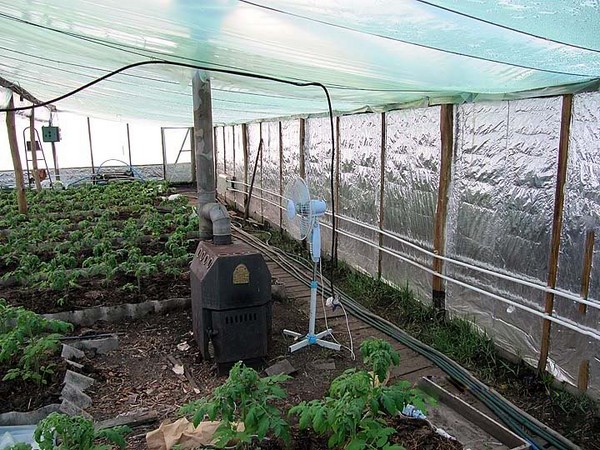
221, 223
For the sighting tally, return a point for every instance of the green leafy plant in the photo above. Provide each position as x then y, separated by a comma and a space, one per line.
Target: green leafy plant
379, 355
354, 412
245, 398
62, 432
27, 341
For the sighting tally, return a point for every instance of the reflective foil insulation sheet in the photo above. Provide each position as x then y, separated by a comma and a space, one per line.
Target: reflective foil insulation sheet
581, 215
500, 207
270, 172
500, 213
359, 177
254, 136
411, 178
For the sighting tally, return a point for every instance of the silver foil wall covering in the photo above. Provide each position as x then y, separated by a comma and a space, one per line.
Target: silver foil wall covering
500, 208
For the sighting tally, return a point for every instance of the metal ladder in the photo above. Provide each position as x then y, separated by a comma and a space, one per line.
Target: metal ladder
28, 159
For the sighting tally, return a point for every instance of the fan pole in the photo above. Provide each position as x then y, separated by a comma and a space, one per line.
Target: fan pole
312, 338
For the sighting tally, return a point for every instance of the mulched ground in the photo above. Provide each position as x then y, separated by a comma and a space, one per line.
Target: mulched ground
139, 374
95, 292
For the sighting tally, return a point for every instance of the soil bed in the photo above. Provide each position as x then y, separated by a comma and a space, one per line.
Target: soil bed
18, 395
95, 292
139, 374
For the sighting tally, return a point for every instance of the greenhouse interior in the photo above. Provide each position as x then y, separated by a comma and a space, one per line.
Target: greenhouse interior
300, 224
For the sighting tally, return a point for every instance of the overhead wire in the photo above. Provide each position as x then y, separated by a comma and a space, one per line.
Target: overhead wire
216, 70
417, 44
506, 27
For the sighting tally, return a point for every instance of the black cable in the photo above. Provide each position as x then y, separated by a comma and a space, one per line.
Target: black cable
229, 72
429, 47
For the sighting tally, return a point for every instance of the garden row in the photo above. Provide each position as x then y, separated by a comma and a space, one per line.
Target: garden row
116, 238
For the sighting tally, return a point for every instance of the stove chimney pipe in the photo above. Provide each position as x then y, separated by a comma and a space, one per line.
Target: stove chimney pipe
214, 218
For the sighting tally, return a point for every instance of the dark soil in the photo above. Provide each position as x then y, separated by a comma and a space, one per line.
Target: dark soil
139, 374
24, 396
414, 434
95, 292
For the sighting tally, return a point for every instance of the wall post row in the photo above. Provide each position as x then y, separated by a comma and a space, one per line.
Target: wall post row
301, 148
441, 212
561, 177
279, 200
381, 192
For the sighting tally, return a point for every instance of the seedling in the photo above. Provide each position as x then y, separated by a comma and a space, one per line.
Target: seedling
354, 412
245, 398
27, 340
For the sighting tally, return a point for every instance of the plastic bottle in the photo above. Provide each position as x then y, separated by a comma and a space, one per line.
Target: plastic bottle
411, 411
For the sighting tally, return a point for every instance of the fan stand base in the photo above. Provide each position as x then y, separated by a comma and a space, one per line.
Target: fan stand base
311, 339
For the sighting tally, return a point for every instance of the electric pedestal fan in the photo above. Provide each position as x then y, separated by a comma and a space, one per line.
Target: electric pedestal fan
303, 215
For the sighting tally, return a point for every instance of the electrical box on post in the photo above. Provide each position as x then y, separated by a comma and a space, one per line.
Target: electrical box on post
50, 134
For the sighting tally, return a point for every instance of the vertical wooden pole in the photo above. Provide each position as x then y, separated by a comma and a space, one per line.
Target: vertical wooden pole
236, 194
164, 152
584, 375
441, 212
337, 188
561, 177
279, 200
381, 192
301, 149
55, 159
33, 148
246, 152
91, 148
588, 256
260, 161
193, 156
129, 145
224, 150
11, 130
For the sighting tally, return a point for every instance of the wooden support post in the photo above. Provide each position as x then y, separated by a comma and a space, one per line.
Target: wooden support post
55, 159
302, 167
381, 192
588, 256
164, 152
129, 146
33, 148
91, 148
245, 150
441, 212
584, 375
193, 156
279, 200
561, 177
235, 194
224, 150
336, 189
11, 130
260, 161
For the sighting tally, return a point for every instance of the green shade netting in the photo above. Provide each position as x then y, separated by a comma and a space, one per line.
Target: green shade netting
373, 55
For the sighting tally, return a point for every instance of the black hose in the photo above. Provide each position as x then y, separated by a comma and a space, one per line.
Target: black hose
505, 410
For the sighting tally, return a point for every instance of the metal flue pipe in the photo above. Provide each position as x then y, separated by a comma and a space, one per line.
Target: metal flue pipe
214, 218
